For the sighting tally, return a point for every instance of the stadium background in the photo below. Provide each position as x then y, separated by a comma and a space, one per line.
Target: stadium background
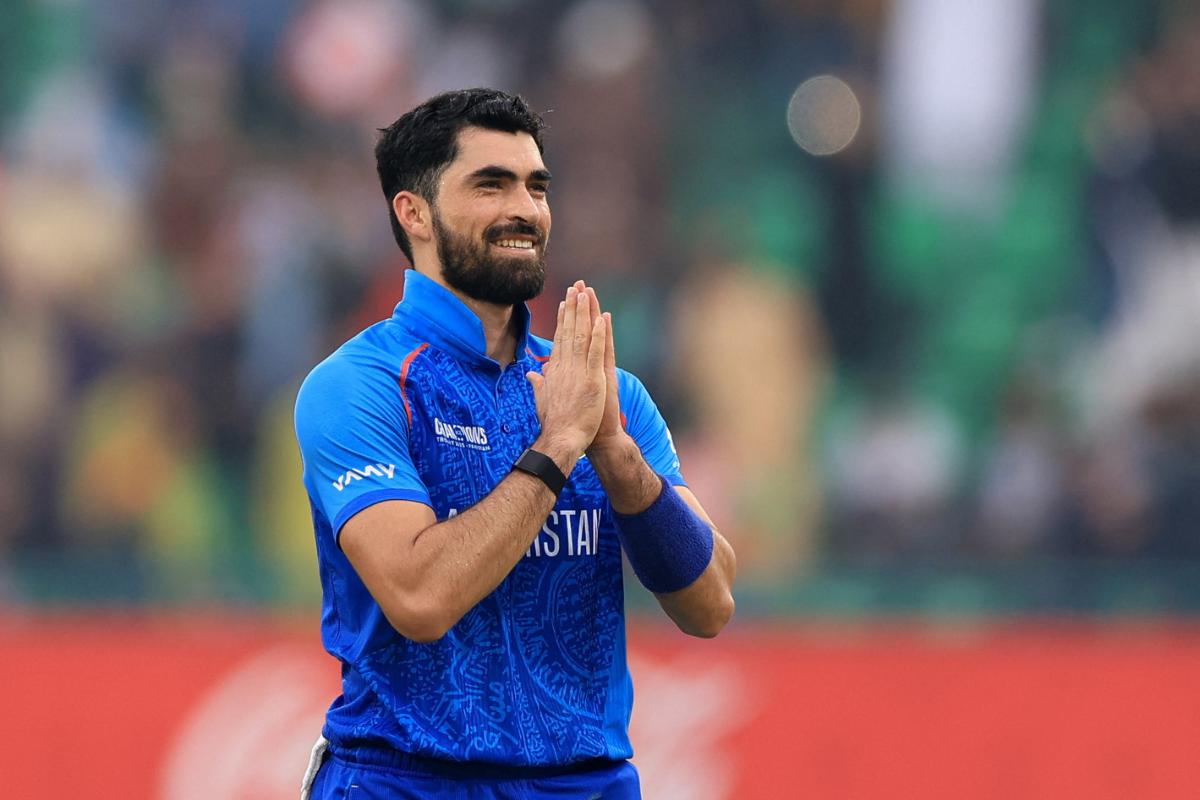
916, 283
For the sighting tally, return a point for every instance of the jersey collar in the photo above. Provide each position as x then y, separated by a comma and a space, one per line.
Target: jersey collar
432, 312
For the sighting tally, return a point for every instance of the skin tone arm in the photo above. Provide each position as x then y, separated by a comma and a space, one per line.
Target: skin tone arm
426, 574
703, 607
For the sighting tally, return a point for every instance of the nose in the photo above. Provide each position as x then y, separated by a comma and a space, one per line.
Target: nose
524, 207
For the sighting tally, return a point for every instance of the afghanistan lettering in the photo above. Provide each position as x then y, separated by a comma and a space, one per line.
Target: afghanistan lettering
570, 532
567, 532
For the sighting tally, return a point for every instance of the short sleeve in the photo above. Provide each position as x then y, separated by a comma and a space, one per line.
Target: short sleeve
646, 425
353, 437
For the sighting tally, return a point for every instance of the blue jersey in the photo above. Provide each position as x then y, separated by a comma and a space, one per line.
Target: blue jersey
535, 674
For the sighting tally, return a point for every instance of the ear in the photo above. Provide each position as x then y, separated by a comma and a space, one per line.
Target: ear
414, 215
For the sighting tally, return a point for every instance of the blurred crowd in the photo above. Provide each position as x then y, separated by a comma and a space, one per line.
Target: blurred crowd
966, 332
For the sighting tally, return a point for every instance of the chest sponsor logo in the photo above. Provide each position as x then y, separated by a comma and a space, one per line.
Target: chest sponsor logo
361, 473
471, 436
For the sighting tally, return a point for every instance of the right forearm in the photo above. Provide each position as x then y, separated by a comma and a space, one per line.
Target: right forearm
464, 558
451, 565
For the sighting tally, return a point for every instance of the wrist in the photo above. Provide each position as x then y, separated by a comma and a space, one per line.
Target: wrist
542, 467
614, 449
628, 480
563, 450
668, 545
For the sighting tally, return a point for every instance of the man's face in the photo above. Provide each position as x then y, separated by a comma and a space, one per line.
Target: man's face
491, 217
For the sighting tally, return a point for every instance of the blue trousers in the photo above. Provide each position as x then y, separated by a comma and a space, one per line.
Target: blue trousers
342, 777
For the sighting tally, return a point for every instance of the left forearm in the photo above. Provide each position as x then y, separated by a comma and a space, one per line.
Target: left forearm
628, 480
703, 606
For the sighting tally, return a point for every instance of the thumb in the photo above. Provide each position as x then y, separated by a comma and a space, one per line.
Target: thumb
536, 379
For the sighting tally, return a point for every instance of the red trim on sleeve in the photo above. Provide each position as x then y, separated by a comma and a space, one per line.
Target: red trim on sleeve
404, 377
536, 357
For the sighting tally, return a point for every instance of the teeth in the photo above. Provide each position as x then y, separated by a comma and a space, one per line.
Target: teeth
520, 244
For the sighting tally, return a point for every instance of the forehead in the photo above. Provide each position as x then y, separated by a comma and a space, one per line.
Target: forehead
480, 147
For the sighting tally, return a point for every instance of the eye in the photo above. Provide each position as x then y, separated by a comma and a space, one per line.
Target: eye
489, 184
539, 189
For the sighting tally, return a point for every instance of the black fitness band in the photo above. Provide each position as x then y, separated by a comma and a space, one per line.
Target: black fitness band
542, 467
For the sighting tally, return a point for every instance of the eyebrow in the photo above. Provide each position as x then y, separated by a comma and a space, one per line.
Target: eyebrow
500, 173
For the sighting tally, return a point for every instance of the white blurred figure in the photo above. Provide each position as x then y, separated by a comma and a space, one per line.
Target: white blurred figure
894, 467
1146, 217
958, 82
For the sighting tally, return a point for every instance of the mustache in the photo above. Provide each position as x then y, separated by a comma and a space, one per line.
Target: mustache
513, 228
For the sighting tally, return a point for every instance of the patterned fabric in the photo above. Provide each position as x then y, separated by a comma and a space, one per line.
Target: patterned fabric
535, 674
348, 780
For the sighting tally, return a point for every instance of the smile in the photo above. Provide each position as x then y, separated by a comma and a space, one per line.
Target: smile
514, 244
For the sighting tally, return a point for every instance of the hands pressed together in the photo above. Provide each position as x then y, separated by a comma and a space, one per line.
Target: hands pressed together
576, 392
578, 407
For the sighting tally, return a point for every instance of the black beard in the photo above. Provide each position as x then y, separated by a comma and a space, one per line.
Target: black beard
473, 269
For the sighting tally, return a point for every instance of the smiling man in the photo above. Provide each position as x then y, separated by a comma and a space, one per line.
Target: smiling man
473, 487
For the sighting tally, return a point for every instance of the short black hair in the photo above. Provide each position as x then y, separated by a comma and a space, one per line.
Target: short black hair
413, 151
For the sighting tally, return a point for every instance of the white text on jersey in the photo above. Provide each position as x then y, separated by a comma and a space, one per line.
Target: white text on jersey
566, 532
369, 471
473, 436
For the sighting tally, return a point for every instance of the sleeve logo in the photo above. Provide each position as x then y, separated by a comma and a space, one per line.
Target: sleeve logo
369, 471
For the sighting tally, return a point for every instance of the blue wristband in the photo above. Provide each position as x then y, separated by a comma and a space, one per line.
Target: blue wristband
668, 545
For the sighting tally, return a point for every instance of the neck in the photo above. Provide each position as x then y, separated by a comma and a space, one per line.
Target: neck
498, 325
497, 328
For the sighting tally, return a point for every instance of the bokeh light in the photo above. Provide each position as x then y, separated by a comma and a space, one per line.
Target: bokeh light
824, 115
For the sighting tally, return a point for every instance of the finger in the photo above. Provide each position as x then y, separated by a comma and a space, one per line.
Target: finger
610, 350
595, 302
583, 323
558, 329
596, 356
569, 320
535, 379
